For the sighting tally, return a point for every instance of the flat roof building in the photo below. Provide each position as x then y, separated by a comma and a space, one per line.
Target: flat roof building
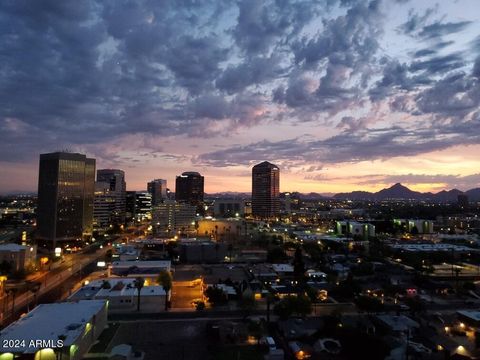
18, 256
53, 331
122, 295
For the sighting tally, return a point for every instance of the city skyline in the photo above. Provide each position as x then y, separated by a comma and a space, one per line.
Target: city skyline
341, 95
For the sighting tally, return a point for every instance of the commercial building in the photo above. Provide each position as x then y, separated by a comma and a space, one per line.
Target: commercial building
66, 186
228, 208
18, 256
103, 207
265, 190
158, 189
139, 206
418, 226
202, 251
189, 188
122, 295
171, 217
149, 270
55, 331
114, 183
355, 229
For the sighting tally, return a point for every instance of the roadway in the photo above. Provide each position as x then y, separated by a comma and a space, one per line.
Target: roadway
48, 280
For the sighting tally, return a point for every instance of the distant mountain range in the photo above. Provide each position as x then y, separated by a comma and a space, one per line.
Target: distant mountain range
400, 192
395, 192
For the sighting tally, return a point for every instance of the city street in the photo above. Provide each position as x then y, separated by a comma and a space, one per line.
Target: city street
48, 281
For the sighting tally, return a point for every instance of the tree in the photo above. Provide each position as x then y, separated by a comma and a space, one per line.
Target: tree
5, 267
247, 302
276, 254
199, 305
164, 279
414, 230
109, 256
139, 283
230, 249
216, 296
369, 304
34, 288
298, 265
270, 299
293, 305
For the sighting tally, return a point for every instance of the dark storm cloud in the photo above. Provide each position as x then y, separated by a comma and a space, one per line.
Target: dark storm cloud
416, 21
351, 145
439, 29
195, 62
261, 24
424, 52
84, 73
254, 70
439, 64
456, 95
346, 40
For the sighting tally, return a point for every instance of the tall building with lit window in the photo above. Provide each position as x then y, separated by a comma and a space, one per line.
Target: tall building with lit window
189, 188
66, 186
158, 189
265, 190
116, 187
139, 206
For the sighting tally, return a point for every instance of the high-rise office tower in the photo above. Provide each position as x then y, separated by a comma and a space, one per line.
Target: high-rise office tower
189, 188
117, 188
158, 189
170, 217
103, 207
66, 186
265, 190
139, 206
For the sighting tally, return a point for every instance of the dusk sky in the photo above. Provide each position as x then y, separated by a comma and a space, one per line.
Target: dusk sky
341, 94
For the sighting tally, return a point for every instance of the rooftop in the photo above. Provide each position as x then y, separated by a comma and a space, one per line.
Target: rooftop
51, 321
282, 267
398, 323
142, 264
13, 247
119, 287
474, 315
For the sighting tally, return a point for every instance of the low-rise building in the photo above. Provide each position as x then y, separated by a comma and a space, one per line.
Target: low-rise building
354, 228
19, 257
418, 226
149, 270
202, 251
55, 331
122, 295
229, 208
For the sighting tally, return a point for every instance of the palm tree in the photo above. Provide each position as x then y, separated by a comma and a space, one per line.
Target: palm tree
33, 287
138, 283
164, 279
13, 291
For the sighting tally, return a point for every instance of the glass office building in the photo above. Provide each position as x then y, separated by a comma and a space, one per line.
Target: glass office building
66, 186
